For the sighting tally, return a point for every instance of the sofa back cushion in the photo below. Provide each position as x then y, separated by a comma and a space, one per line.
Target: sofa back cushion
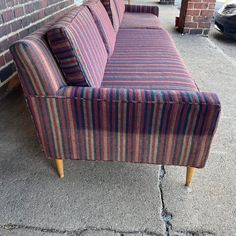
120, 6
38, 71
104, 24
112, 13
78, 48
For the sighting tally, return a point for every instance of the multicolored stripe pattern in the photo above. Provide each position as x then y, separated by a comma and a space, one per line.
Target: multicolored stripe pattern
112, 13
161, 119
120, 7
38, 71
78, 47
142, 9
127, 125
140, 20
147, 58
104, 24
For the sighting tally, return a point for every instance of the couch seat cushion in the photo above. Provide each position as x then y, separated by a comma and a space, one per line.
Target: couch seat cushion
146, 58
78, 48
104, 24
140, 20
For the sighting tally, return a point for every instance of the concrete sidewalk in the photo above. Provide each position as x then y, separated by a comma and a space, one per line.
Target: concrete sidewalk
120, 199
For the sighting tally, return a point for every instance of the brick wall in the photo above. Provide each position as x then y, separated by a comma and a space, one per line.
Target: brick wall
19, 18
196, 16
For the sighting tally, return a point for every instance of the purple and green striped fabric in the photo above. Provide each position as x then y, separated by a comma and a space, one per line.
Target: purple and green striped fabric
37, 69
111, 9
142, 9
150, 112
147, 58
120, 7
127, 125
78, 47
141, 16
140, 20
104, 24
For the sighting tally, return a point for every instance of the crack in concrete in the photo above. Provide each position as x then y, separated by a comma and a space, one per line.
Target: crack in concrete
196, 233
77, 232
165, 215
121, 233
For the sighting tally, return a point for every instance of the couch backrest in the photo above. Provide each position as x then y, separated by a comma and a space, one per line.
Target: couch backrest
104, 24
112, 13
37, 69
78, 47
120, 7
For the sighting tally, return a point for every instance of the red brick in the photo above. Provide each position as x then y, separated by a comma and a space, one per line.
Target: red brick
200, 5
199, 1
209, 1
19, 11
41, 14
193, 12
4, 45
212, 6
13, 38
16, 25
42, 4
1, 20
5, 29
201, 18
8, 57
10, 3
186, 30
26, 21
12, 10
207, 12
188, 18
2, 61
191, 24
190, 5
204, 25
8, 15
3, 4
29, 8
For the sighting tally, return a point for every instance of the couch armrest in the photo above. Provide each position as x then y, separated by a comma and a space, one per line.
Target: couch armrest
199, 108
161, 127
142, 9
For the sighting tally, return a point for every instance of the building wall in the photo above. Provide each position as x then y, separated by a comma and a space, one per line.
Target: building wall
196, 16
19, 18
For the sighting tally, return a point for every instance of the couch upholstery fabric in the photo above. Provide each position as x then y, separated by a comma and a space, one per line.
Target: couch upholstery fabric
146, 58
112, 13
142, 9
104, 24
37, 69
151, 112
79, 49
140, 20
131, 125
120, 7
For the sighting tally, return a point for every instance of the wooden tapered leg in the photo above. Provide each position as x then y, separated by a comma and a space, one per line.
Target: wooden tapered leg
129, 2
189, 175
60, 167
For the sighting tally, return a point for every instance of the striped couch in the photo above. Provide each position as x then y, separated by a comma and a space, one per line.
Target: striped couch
104, 85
